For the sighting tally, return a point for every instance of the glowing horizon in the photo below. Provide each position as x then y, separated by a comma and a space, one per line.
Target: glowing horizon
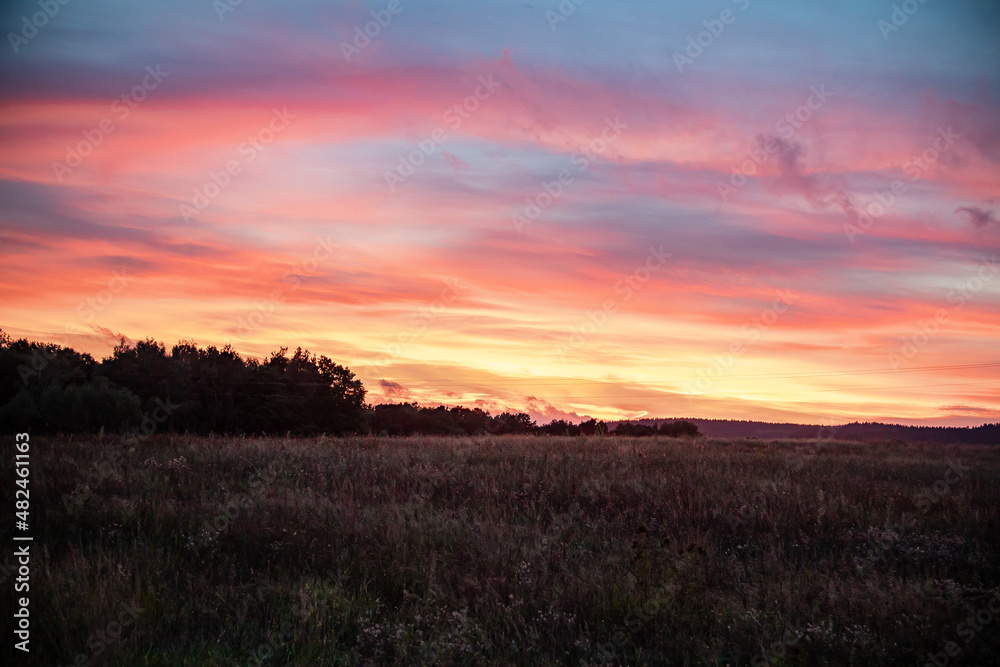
513, 207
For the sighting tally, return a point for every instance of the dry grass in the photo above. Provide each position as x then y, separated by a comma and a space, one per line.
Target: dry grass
510, 550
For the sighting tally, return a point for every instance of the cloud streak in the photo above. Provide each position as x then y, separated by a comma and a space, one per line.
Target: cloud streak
815, 141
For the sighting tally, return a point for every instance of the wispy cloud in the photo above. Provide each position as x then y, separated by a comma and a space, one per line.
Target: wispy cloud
656, 185
980, 217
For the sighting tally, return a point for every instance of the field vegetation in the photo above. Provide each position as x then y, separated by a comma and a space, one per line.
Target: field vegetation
189, 550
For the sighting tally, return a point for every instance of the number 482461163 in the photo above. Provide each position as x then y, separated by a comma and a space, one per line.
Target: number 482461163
21, 461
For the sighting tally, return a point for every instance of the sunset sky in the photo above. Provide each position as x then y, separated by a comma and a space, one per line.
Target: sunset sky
748, 209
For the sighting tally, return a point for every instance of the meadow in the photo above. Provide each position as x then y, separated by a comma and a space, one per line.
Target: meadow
534, 550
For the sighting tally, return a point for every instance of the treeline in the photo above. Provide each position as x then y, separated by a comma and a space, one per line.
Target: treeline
675, 429
412, 419
143, 388
987, 434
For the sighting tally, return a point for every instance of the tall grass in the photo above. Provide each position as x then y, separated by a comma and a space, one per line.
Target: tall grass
510, 550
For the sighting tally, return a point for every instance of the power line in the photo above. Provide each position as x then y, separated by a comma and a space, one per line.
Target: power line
911, 386
763, 376
667, 393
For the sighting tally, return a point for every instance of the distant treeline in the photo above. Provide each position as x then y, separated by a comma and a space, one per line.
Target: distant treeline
412, 419
987, 434
143, 388
674, 429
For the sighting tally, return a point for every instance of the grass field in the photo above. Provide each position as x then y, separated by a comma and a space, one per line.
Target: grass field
511, 550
